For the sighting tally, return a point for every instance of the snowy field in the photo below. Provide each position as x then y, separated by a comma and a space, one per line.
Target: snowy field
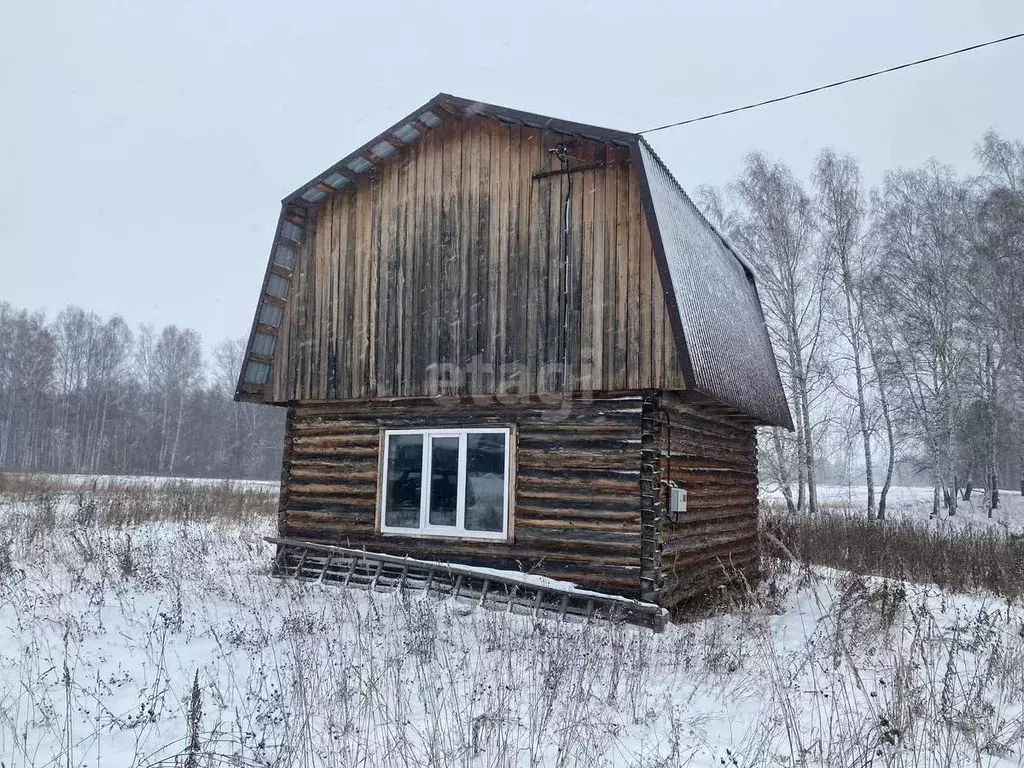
73, 483
910, 503
162, 643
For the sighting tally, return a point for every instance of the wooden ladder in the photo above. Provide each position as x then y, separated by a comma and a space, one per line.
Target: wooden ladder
506, 591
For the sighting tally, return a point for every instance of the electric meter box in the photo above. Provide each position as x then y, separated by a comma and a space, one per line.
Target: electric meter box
676, 500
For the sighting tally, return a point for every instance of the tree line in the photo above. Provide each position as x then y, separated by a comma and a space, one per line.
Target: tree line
897, 317
896, 314
80, 393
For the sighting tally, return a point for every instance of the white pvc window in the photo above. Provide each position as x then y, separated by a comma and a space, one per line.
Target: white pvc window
446, 482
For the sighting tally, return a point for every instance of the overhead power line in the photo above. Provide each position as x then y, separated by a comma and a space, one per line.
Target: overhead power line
836, 84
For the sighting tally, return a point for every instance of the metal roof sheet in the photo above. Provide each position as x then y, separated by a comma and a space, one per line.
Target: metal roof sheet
722, 323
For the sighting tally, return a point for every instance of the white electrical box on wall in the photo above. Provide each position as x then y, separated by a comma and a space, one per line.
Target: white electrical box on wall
676, 500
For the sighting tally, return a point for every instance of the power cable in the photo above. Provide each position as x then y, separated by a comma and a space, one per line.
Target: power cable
835, 84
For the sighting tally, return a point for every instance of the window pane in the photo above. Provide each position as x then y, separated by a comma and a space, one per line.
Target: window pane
444, 480
485, 481
405, 467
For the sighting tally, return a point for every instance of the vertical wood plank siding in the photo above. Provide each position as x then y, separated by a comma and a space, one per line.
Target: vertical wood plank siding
441, 272
713, 456
576, 502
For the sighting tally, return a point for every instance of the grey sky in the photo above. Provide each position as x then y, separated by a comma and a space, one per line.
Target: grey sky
145, 147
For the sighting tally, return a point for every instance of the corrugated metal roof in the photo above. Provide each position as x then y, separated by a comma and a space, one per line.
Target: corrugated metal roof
719, 312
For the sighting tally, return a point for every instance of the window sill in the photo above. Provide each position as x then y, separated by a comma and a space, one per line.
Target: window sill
494, 538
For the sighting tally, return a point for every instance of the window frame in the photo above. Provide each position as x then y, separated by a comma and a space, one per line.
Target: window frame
458, 531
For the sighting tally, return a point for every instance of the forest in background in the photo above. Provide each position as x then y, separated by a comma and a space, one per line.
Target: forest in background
80, 393
897, 318
896, 314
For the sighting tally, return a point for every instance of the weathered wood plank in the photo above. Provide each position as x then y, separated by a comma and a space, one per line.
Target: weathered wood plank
645, 303
596, 258
587, 261
535, 299
389, 363
451, 249
498, 210
552, 277
434, 314
577, 281
634, 293
620, 372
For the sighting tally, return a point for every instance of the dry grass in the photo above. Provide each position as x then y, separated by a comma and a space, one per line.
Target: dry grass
120, 502
965, 560
165, 644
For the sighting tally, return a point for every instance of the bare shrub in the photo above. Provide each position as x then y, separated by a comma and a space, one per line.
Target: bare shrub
124, 557
122, 502
22, 486
85, 512
961, 559
6, 559
43, 521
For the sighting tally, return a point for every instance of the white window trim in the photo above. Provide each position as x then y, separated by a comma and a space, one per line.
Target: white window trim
458, 531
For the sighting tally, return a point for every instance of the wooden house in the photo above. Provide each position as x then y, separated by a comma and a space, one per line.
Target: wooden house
503, 339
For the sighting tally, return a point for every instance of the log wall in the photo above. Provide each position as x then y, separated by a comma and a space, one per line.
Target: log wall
441, 272
714, 456
576, 508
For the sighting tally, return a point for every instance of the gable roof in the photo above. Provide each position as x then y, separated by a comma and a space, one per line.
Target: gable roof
710, 289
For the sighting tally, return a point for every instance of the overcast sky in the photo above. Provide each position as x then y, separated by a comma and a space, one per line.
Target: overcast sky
144, 147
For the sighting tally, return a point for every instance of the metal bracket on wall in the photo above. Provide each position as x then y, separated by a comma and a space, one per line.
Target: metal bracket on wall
567, 171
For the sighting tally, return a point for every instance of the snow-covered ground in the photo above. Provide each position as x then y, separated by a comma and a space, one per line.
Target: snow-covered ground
105, 633
906, 502
73, 482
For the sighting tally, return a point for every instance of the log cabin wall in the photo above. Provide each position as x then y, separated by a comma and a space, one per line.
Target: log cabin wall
713, 456
652, 495
441, 272
575, 508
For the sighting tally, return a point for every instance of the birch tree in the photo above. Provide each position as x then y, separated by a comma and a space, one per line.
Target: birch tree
997, 298
840, 208
921, 225
776, 230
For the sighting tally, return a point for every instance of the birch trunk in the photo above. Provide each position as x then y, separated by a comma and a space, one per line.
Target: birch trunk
784, 478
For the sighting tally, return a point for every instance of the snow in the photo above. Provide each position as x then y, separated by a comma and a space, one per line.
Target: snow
537, 580
915, 504
74, 482
103, 631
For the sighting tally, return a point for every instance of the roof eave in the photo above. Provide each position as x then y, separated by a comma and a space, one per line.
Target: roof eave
468, 107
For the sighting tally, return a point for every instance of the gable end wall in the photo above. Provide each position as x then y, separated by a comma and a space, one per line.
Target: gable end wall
441, 272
